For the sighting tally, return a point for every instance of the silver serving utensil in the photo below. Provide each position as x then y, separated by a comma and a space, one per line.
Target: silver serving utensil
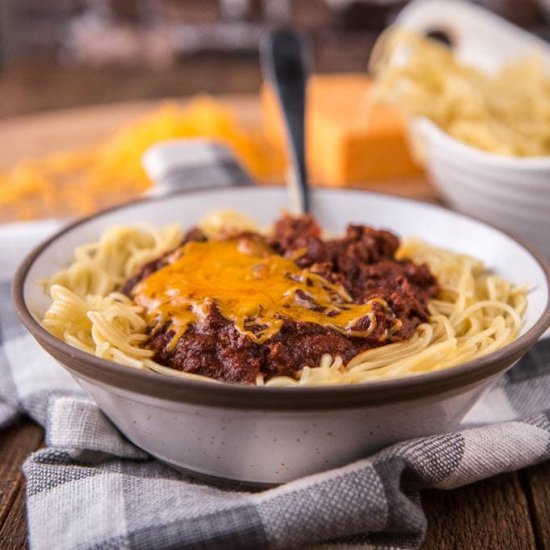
284, 57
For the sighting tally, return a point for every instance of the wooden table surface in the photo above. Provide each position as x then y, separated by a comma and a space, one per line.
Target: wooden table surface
507, 512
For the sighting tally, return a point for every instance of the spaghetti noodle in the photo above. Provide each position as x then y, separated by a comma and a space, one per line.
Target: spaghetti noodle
474, 313
507, 113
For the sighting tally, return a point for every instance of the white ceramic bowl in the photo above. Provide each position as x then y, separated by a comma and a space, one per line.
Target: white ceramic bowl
510, 192
272, 435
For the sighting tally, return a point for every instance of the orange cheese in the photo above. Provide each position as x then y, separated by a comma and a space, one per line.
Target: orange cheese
252, 287
349, 138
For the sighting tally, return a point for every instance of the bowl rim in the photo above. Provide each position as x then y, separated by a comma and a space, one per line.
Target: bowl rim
492, 160
215, 394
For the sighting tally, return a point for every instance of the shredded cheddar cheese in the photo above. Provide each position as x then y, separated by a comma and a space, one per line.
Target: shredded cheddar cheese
83, 181
251, 286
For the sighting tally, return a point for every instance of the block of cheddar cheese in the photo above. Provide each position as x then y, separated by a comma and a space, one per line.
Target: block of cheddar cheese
350, 139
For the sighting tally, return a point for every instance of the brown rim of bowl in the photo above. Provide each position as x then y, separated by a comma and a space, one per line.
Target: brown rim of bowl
269, 398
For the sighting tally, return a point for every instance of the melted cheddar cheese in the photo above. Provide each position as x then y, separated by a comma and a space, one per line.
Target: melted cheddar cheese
251, 286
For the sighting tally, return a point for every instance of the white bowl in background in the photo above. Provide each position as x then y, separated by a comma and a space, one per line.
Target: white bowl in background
510, 192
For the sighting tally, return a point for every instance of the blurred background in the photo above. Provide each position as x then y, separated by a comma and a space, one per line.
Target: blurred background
88, 86
67, 53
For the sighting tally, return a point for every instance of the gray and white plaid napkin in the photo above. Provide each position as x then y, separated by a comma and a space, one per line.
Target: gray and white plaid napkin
90, 488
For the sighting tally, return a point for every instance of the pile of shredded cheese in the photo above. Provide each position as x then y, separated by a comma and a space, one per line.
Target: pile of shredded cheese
83, 181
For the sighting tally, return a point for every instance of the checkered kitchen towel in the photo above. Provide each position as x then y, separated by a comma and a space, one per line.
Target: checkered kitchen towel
90, 488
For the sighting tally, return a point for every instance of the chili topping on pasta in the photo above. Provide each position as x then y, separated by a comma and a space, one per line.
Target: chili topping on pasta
230, 303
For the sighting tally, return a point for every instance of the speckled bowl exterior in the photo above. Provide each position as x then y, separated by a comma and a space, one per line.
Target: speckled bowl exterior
264, 436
